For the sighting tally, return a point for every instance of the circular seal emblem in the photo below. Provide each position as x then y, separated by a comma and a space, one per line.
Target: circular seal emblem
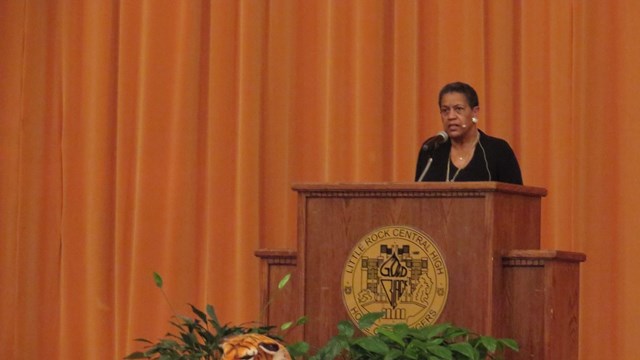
397, 270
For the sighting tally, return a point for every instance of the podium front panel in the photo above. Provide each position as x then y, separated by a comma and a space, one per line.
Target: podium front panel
472, 224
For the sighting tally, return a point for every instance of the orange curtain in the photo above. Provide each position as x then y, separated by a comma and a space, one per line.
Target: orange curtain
141, 136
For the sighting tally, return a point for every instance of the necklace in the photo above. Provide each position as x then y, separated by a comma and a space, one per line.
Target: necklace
460, 158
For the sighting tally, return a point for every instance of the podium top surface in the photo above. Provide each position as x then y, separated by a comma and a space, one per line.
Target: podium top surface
480, 187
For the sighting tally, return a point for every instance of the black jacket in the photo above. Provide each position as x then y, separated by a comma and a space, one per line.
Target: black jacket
493, 160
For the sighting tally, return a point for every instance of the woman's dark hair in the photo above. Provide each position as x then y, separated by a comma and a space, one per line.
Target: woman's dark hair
462, 88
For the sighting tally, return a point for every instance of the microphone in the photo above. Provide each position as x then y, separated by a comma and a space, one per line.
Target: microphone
435, 141
430, 144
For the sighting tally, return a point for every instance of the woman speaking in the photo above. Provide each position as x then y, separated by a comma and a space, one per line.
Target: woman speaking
462, 152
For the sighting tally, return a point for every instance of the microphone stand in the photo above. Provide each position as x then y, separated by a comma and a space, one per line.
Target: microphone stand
426, 168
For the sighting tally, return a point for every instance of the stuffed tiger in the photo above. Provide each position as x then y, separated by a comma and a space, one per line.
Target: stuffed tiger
253, 347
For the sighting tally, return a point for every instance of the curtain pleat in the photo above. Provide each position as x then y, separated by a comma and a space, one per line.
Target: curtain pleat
12, 35
163, 136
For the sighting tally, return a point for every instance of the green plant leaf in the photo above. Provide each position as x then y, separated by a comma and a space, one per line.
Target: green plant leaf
136, 355
489, 343
454, 332
373, 344
345, 329
185, 319
189, 339
199, 313
143, 340
431, 331
389, 333
367, 320
302, 320
441, 352
334, 347
402, 329
465, 349
510, 343
157, 279
393, 354
412, 351
284, 281
286, 325
298, 349
179, 326
435, 341
214, 319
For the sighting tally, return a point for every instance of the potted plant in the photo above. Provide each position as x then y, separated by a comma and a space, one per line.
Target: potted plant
202, 336
400, 342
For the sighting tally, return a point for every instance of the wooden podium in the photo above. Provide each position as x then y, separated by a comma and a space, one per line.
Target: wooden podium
500, 282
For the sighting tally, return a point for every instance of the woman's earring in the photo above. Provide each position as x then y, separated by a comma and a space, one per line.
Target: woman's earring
474, 120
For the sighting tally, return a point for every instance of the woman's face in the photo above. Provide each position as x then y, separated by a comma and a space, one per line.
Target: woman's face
456, 115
